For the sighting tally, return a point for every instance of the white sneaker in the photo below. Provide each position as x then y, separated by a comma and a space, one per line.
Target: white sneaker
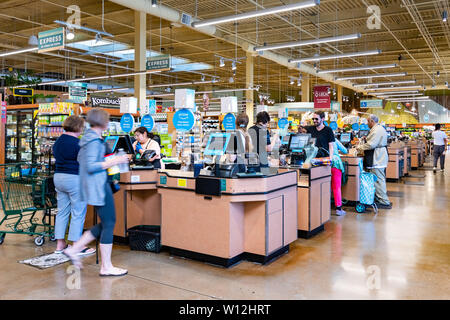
442, 170
340, 212
434, 169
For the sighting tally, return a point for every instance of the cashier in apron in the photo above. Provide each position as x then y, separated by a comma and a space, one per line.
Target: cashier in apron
145, 142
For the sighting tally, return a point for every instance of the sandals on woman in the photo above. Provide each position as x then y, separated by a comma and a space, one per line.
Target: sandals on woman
75, 259
114, 272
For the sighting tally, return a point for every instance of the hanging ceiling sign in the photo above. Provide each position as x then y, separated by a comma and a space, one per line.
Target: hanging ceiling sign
229, 122
355, 127
51, 40
364, 127
322, 99
127, 122
106, 102
183, 120
161, 62
19, 92
148, 122
77, 92
373, 103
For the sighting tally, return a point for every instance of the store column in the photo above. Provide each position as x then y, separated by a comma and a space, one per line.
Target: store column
306, 88
249, 84
339, 95
140, 55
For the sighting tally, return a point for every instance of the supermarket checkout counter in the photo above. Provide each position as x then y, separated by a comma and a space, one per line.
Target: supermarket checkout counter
396, 165
313, 185
137, 202
228, 214
417, 153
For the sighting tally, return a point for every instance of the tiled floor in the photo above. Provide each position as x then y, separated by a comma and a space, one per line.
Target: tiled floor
408, 247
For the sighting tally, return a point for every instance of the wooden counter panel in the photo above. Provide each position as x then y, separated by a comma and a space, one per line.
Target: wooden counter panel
143, 208
144, 186
290, 215
318, 172
255, 226
303, 209
119, 202
275, 231
237, 231
275, 204
353, 170
325, 213
139, 176
350, 191
207, 231
351, 160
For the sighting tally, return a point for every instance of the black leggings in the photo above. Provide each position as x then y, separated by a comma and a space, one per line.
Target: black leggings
107, 213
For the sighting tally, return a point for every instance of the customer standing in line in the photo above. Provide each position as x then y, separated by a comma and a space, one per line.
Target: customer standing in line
440, 143
241, 128
67, 185
337, 170
375, 150
96, 191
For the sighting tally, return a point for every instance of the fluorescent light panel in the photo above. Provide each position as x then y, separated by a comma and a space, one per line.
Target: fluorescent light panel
180, 84
391, 92
394, 88
382, 66
308, 42
336, 56
386, 75
399, 95
383, 83
257, 13
10, 53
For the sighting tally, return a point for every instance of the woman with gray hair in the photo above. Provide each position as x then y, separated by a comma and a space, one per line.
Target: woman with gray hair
97, 192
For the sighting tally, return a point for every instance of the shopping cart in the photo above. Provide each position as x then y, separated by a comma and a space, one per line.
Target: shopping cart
367, 192
25, 190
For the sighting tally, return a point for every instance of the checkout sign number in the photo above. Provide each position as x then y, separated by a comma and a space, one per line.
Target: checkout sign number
183, 120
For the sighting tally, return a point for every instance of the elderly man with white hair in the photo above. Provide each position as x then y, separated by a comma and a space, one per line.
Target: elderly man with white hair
376, 159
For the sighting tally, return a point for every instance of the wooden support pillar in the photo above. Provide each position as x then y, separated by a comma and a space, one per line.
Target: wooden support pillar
140, 83
306, 89
339, 96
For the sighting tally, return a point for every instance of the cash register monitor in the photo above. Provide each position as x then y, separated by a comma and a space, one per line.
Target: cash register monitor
217, 144
111, 141
285, 140
363, 133
298, 141
345, 137
120, 142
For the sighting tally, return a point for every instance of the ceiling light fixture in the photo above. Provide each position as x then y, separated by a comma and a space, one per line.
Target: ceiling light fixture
222, 62
382, 66
233, 65
383, 83
399, 95
308, 42
154, 3
257, 13
393, 92
33, 40
336, 56
10, 53
394, 88
386, 75
444, 16
70, 35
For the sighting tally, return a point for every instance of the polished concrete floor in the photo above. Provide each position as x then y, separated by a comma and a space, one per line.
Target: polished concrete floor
403, 253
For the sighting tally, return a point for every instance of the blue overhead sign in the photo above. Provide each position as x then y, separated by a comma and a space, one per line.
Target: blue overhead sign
333, 125
127, 122
229, 122
148, 122
283, 123
355, 127
372, 103
183, 120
